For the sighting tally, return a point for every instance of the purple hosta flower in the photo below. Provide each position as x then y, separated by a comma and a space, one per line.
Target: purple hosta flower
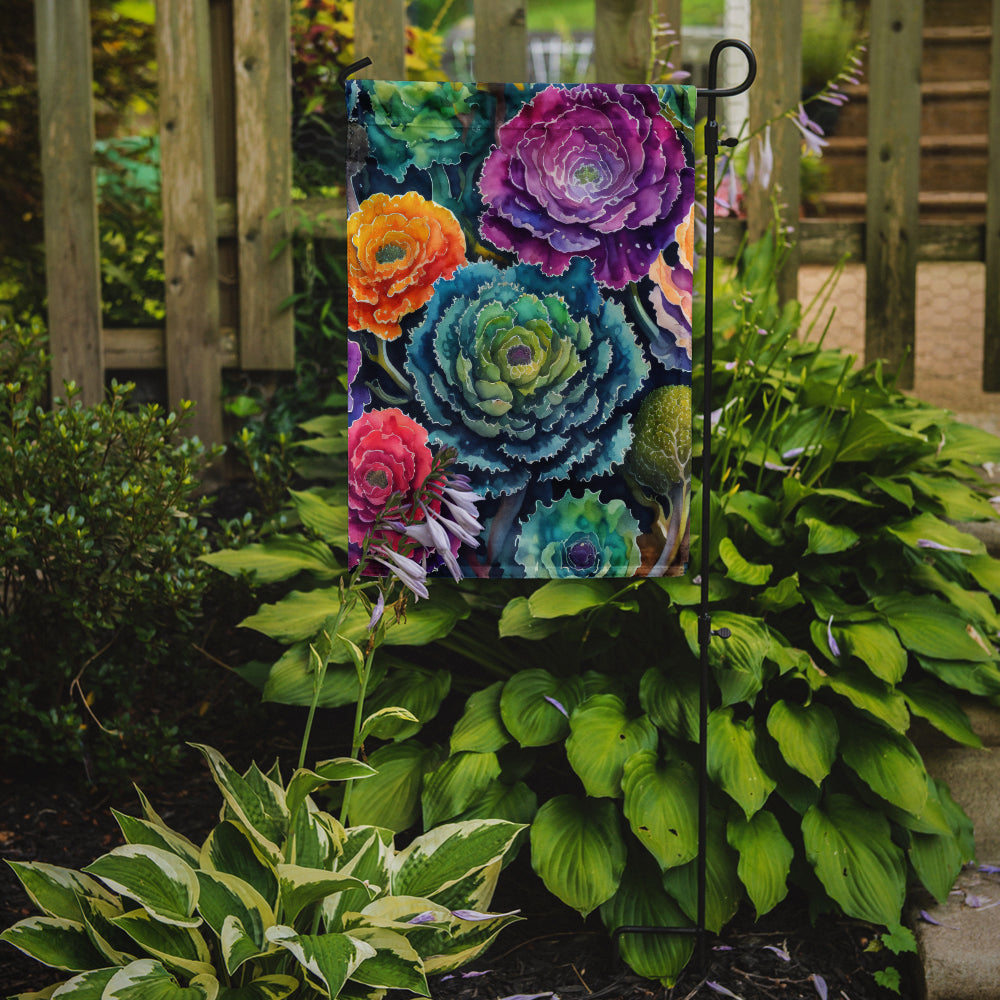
820, 985
445, 535
358, 397
782, 953
928, 543
760, 164
377, 612
427, 917
476, 916
719, 988
812, 134
409, 572
831, 642
729, 193
557, 704
594, 171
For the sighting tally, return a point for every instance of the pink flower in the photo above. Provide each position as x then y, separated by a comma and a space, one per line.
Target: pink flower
388, 453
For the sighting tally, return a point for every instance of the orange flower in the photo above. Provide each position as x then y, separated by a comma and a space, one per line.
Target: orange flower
397, 248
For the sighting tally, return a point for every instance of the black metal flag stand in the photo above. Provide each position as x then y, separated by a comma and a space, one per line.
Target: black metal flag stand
705, 631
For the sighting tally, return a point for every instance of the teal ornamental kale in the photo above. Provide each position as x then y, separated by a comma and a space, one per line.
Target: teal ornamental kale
579, 537
424, 124
596, 171
526, 376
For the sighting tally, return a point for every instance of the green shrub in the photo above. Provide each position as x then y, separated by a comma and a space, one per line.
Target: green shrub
100, 583
279, 900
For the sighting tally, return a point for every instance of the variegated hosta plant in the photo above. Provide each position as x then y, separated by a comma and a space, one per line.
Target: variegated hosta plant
279, 901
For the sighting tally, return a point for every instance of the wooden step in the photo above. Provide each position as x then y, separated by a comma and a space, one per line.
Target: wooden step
947, 162
940, 13
945, 106
956, 53
956, 206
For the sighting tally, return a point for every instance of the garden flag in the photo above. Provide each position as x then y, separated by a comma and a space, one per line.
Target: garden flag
520, 270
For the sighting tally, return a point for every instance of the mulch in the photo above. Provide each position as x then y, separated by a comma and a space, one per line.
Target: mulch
551, 953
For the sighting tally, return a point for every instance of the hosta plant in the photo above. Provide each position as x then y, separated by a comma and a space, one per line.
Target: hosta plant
280, 900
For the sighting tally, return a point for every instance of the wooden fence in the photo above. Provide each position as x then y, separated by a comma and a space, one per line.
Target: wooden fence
226, 161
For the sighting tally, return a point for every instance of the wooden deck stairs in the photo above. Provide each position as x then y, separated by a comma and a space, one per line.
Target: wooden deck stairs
955, 89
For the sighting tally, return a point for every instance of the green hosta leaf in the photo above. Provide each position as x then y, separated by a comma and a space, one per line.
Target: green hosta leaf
957, 501
279, 558
850, 847
888, 763
516, 803
671, 699
535, 706
86, 986
54, 941
330, 959
876, 646
304, 782
367, 853
56, 891
226, 898
466, 941
732, 760
661, 798
291, 680
928, 528
417, 690
738, 661
230, 849
456, 784
807, 736
765, 858
275, 987
866, 692
395, 964
517, 620
180, 948
893, 488
481, 728
578, 851
301, 887
965, 443
238, 944
260, 809
142, 831
758, 511
641, 901
440, 858
391, 798
931, 628
937, 859
160, 882
941, 709
328, 520
561, 598
387, 723
723, 889
602, 738
870, 436
147, 979
828, 539
976, 678
985, 570
975, 605
783, 595
738, 569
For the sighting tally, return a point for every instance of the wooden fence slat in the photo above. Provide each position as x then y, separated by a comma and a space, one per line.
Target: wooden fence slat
190, 253
501, 41
893, 184
380, 34
991, 332
261, 57
776, 36
621, 40
72, 256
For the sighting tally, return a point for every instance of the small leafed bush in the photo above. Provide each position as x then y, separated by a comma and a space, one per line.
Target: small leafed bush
99, 574
279, 900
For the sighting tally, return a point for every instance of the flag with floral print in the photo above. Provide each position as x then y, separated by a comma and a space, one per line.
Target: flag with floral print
520, 265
